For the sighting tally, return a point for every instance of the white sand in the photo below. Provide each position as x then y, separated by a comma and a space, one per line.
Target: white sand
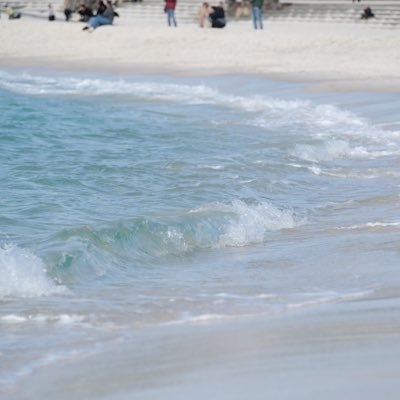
337, 55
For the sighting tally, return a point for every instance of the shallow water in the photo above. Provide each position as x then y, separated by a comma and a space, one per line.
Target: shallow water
131, 203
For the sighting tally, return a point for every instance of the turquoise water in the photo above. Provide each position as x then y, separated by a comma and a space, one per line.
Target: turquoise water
134, 202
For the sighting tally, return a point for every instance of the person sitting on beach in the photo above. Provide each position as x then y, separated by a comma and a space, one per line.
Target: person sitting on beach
367, 13
51, 14
11, 13
85, 13
217, 16
106, 18
68, 14
204, 11
169, 8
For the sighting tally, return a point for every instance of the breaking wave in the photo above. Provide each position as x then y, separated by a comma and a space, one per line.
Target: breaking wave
95, 250
23, 274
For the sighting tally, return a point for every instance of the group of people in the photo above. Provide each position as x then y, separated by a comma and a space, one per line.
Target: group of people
216, 14
105, 14
85, 13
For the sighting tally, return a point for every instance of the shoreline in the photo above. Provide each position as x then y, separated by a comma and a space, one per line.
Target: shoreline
342, 348
318, 54
311, 82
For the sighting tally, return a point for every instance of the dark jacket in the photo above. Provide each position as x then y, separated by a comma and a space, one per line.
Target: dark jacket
257, 3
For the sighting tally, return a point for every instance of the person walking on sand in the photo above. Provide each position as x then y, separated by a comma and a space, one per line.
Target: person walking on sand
257, 13
170, 10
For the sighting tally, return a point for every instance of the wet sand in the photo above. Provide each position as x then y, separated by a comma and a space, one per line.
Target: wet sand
347, 350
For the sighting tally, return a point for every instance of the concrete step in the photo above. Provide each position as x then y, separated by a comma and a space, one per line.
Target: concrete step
386, 14
148, 10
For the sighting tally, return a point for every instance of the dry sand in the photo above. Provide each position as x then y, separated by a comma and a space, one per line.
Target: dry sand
334, 55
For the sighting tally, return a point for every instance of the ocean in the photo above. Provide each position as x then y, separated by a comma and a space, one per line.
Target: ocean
136, 210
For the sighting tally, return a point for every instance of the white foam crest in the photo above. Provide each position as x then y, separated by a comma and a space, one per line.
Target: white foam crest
214, 167
345, 173
188, 318
37, 85
259, 103
370, 226
191, 94
61, 319
234, 296
321, 298
50, 85
324, 120
327, 115
333, 149
23, 274
13, 319
251, 223
315, 170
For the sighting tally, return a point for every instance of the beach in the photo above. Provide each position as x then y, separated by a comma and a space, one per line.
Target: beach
194, 213
343, 353
335, 55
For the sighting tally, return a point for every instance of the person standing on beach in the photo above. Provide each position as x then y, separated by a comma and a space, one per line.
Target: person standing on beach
257, 13
170, 10
203, 13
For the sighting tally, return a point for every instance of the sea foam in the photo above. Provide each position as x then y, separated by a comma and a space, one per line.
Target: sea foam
288, 110
23, 274
251, 223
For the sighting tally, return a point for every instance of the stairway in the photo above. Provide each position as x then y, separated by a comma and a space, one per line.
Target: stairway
146, 10
387, 13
